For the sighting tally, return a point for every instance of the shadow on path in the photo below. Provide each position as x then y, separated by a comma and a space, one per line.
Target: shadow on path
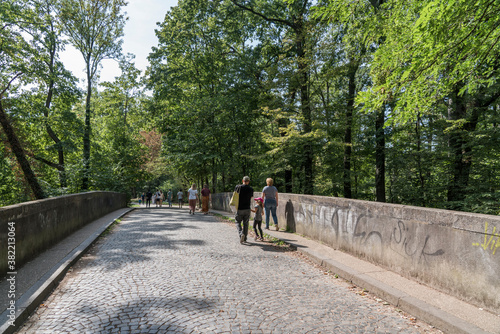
138, 236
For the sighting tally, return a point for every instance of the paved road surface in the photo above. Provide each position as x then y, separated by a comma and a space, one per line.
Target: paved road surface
164, 271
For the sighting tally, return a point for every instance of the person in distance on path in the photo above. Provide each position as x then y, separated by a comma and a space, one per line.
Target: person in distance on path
169, 198
161, 198
155, 199
243, 209
180, 195
193, 197
205, 199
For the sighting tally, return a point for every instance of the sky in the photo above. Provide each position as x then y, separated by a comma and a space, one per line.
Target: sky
139, 37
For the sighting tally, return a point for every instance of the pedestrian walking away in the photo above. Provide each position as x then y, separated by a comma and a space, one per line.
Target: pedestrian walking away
180, 196
161, 198
155, 200
257, 220
149, 195
193, 198
270, 196
169, 198
205, 199
243, 210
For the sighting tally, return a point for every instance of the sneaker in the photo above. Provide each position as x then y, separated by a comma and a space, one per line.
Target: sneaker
242, 239
277, 228
256, 238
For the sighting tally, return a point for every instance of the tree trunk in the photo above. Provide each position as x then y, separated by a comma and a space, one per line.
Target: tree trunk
214, 176
461, 149
348, 129
421, 177
380, 156
223, 178
48, 102
379, 140
308, 161
288, 180
287, 174
53, 136
86, 134
20, 156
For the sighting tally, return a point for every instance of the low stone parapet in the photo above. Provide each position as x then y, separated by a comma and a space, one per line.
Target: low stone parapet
455, 252
27, 229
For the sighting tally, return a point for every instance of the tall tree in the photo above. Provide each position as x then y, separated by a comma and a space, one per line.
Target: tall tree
126, 90
357, 19
55, 80
17, 58
380, 138
120, 111
94, 28
205, 98
297, 20
438, 52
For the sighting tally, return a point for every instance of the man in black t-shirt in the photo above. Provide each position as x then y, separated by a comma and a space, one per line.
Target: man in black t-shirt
243, 209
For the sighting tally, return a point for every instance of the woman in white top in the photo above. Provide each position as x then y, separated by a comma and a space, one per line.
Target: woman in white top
193, 196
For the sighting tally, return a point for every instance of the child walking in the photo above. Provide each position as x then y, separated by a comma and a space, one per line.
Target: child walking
257, 220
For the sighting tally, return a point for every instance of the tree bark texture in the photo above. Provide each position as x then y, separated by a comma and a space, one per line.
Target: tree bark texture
86, 134
348, 130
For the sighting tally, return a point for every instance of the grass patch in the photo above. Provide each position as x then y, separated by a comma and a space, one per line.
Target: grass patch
275, 241
221, 216
110, 227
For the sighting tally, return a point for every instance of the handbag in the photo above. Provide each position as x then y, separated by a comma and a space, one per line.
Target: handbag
235, 199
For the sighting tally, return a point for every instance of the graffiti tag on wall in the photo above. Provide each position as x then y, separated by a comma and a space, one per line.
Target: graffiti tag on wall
347, 228
491, 241
413, 246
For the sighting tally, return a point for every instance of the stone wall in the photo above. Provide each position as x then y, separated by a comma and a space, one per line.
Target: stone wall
455, 252
40, 224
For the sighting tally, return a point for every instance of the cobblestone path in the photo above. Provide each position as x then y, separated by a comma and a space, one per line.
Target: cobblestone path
164, 271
